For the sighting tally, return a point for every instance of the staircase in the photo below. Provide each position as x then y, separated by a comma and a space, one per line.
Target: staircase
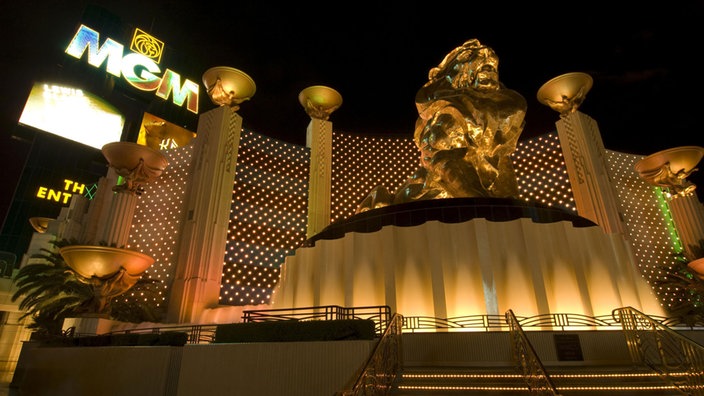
482, 363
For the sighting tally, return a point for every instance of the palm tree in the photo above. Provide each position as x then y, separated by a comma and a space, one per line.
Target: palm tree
51, 291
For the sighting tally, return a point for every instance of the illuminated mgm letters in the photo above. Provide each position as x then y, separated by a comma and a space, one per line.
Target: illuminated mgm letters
138, 69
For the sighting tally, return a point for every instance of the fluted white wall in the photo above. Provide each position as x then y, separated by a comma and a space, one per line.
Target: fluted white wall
470, 268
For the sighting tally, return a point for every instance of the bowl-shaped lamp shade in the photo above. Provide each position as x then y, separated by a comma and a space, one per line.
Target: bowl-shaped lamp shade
697, 265
565, 92
103, 261
228, 86
40, 224
670, 168
320, 101
680, 159
125, 157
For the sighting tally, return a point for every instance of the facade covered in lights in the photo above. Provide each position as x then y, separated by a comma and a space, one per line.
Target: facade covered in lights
232, 247
237, 237
239, 220
264, 229
268, 215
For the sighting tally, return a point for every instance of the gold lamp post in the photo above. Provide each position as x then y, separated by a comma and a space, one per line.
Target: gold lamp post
669, 169
112, 271
319, 102
595, 196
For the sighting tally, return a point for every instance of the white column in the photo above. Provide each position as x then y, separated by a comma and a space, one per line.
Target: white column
119, 221
319, 140
688, 216
585, 158
99, 209
196, 286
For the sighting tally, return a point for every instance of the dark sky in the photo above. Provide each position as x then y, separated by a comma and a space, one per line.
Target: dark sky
644, 59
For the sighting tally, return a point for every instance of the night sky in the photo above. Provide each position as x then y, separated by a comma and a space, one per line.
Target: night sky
644, 60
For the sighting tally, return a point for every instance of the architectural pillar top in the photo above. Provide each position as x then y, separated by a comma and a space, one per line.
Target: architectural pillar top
566, 92
136, 163
228, 86
320, 101
670, 168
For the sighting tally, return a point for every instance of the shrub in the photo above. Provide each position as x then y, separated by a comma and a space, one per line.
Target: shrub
293, 330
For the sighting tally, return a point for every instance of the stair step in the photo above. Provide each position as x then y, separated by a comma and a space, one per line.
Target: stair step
571, 380
436, 380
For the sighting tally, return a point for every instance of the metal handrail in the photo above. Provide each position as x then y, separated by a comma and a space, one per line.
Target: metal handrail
383, 365
553, 321
534, 373
413, 324
678, 359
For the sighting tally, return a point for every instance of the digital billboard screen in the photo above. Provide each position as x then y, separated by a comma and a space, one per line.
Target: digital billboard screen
72, 113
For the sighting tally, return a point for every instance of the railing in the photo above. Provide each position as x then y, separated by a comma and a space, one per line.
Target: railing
200, 334
553, 321
378, 374
414, 324
380, 314
537, 379
197, 334
674, 356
